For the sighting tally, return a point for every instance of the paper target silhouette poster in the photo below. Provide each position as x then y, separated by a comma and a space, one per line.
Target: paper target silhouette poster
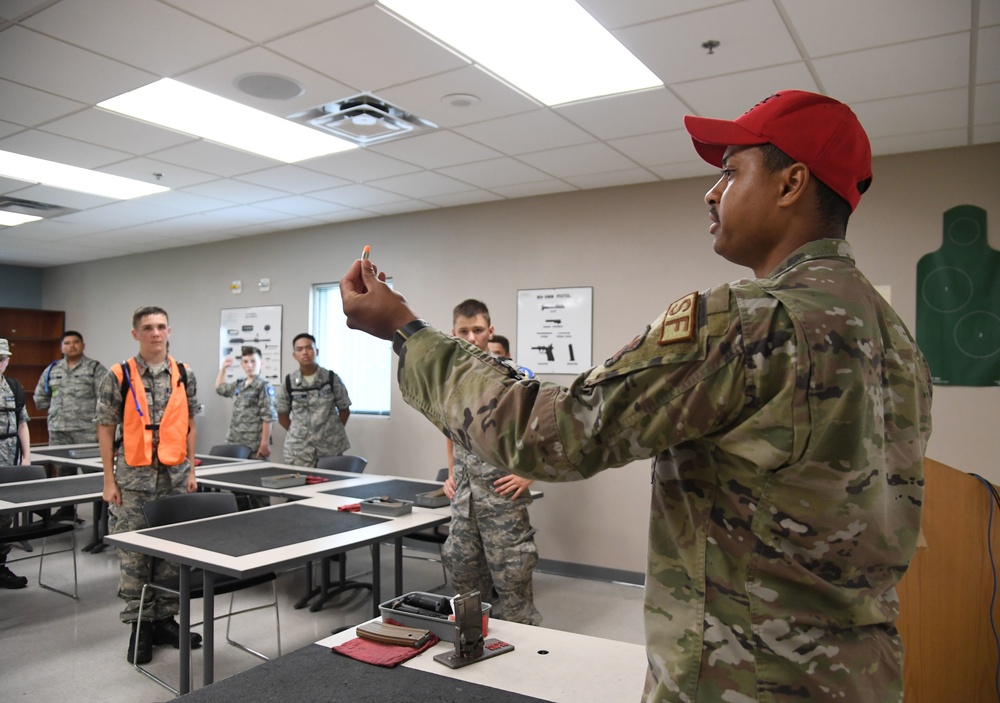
256, 327
555, 329
958, 303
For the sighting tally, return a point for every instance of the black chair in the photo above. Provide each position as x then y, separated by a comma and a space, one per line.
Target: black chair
234, 451
37, 524
344, 462
437, 535
327, 589
196, 506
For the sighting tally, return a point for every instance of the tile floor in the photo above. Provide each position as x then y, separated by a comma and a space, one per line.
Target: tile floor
55, 649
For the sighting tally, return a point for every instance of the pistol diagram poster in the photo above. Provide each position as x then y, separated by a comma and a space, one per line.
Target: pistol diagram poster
555, 329
255, 327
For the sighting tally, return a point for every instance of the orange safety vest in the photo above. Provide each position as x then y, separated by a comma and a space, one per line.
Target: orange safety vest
137, 431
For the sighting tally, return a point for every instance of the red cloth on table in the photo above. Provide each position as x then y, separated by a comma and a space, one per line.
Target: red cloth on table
379, 654
351, 508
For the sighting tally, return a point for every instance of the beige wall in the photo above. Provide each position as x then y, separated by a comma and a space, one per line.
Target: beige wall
640, 247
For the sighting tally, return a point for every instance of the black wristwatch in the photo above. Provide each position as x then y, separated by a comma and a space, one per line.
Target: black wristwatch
405, 332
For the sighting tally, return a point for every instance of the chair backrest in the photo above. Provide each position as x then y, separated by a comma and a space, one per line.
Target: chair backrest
188, 506
235, 451
344, 462
442, 474
13, 474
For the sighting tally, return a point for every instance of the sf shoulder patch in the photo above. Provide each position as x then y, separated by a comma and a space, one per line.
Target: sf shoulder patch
679, 320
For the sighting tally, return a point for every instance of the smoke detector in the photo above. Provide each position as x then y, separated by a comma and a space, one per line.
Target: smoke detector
363, 119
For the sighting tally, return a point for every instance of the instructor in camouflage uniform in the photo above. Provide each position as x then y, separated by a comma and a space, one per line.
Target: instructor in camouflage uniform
491, 543
786, 416
313, 406
151, 460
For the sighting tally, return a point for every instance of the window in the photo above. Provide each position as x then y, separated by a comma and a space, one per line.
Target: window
363, 362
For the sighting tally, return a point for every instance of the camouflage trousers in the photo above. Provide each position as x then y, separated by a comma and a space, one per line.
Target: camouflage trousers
300, 456
495, 550
59, 437
135, 567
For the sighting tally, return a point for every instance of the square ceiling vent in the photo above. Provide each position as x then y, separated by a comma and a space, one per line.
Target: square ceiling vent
33, 207
363, 119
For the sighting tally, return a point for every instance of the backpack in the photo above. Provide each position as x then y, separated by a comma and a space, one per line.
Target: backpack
18, 390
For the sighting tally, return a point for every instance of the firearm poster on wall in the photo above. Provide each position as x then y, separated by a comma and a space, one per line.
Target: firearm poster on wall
958, 303
555, 329
253, 327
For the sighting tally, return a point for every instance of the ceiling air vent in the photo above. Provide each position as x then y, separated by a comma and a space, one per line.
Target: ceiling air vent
363, 119
33, 207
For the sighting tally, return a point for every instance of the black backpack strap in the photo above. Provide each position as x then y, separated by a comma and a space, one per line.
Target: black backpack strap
18, 390
288, 386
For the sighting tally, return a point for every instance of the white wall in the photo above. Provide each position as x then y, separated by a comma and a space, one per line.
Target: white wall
640, 247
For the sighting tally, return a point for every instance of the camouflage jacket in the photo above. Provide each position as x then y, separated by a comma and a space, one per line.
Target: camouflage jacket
314, 410
70, 394
254, 405
9, 424
787, 430
474, 485
110, 411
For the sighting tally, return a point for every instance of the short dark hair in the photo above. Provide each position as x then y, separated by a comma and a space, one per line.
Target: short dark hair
145, 312
833, 210
71, 333
251, 350
502, 341
303, 335
470, 308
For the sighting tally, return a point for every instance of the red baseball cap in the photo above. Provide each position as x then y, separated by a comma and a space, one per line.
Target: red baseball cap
821, 132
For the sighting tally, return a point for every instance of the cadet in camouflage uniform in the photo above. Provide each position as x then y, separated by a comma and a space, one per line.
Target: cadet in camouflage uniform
68, 388
491, 542
127, 487
313, 406
253, 411
13, 437
787, 417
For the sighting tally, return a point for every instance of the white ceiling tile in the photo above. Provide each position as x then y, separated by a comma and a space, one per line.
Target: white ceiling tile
931, 112
29, 107
111, 130
527, 190
358, 196
63, 198
436, 150
729, 96
989, 12
425, 97
626, 115
614, 14
48, 64
170, 175
219, 78
578, 160
397, 208
368, 49
687, 169
260, 20
897, 144
11, 185
902, 69
612, 178
9, 128
986, 134
988, 55
160, 39
987, 104
529, 131
61, 149
213, 158
419, 185
359, 165
299, 205
467, 198
345, 215
234, 191
50, 230
495, 172
14, 9
836, 27
752, 35
292, 179
656, 149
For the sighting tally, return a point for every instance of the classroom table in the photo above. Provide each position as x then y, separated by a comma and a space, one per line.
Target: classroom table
254, 542
546, 665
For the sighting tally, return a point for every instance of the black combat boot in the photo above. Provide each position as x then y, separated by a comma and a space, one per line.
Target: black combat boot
145, 635
8, 579
167, 631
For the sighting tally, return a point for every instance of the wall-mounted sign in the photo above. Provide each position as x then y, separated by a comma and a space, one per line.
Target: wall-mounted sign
555, 329
256, 327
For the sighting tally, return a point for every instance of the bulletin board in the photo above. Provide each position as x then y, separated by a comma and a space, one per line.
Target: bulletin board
555, 329
255, 326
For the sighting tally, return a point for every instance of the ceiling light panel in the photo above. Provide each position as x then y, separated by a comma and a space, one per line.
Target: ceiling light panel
82, 180
178, 106
551, 49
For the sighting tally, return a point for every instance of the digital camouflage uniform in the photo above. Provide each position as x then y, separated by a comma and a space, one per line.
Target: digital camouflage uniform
140, 484
314, 410
70, 394
490, 540
8, 445
253, 406
788, 437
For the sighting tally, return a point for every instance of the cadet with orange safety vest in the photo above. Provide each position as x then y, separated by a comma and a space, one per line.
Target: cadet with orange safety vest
152, 398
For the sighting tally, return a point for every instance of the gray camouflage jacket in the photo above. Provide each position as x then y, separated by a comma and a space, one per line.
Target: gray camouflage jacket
315, 413
70, 394
253, 406
787, 418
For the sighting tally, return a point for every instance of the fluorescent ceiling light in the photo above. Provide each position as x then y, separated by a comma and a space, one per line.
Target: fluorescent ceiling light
168, 103
82, 180
551, 49
13, 219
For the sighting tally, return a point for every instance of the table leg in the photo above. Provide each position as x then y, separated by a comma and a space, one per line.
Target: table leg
399, 566
100, 524
184, 685
208, 620
376, 577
